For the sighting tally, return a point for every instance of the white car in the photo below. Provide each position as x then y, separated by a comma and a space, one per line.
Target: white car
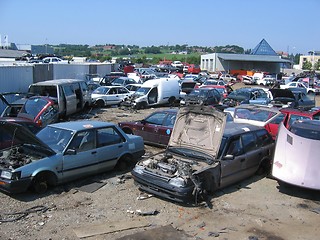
298, 85
227, 78
109, 95
266, 81
53, 60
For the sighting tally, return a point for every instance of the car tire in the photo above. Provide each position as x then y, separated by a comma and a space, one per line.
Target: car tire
100, 103
124, 162
40, 183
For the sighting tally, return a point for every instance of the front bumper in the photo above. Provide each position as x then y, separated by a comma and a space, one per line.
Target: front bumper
15, 186
159, 187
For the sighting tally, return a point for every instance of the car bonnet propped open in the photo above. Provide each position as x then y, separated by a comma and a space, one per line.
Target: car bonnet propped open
200, 128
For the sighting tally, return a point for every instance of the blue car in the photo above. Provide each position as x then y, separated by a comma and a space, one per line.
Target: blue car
63, 152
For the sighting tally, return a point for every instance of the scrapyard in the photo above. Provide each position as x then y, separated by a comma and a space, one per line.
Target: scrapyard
111, 206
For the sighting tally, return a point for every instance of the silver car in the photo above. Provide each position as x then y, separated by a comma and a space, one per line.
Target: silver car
109, 95
62, 152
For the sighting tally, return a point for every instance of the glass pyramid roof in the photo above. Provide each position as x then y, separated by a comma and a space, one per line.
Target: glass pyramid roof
263, 48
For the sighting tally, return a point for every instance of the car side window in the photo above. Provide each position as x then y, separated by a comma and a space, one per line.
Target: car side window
278, 119
234, 147
248, 141
83, 141
108, 136
170, 120
156, 118
263, 138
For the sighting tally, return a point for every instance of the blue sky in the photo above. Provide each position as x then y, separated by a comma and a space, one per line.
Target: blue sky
287, 25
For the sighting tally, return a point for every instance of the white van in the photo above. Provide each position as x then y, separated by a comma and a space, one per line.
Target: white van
156, 92
72, 95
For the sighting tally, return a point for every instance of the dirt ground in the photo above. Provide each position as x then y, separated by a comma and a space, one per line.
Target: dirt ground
110, 206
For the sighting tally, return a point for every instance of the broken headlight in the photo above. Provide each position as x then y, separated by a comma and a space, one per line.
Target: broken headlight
138, 169
177, 182
10, 175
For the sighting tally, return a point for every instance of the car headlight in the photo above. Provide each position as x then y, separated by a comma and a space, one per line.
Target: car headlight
10, 175
138, 169
177, 182
6, 174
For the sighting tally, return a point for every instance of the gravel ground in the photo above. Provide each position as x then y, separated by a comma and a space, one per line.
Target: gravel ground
257, 208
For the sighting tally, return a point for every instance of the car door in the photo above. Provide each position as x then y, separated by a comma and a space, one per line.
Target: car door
78, 161
252, 154
112, 96
110, 146
71, 99
232, 163
151, 127
166, 128
273, 126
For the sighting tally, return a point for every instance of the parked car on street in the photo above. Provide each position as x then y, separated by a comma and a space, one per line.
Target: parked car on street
155, 128
204, 154
63, 152
109, 95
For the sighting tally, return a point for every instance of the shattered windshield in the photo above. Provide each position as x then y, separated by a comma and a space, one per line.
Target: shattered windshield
55, 138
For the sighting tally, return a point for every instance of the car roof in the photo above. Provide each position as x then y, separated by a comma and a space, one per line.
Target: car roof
81, 125
256, 106
233, 128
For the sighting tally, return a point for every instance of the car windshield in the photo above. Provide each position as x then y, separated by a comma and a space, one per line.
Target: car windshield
142, 91
256, 114
191, 153
33, 106
100, 90
56, 138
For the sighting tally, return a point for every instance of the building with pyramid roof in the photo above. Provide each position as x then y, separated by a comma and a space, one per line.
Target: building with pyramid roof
262, 58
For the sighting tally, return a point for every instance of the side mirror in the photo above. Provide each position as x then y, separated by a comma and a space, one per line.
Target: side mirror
143, 121
228, 157
71, 152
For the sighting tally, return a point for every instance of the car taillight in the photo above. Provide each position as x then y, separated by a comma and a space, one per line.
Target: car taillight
39, 123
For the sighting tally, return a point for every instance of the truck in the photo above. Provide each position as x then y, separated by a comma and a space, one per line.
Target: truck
155, 92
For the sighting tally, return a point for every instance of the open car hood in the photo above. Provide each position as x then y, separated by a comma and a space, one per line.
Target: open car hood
18, 134
200, 128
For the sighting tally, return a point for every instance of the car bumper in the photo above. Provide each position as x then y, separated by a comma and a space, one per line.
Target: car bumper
163, 189
15, 186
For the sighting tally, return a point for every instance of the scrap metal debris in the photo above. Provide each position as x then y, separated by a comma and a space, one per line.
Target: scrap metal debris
143, 196
15, 216
143, 213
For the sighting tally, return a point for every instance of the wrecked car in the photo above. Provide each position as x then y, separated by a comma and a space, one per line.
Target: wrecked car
62, 152
296, 158
202, 96
155, 128
205, 153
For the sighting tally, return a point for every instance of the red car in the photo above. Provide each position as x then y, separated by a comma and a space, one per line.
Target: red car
194, 69
288, 116
40, 110
155, 129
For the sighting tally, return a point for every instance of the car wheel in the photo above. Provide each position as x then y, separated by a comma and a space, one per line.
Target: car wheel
124, 162
100, 103
40, 183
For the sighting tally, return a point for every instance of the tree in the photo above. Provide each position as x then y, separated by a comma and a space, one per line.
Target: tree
317, 65
307, 65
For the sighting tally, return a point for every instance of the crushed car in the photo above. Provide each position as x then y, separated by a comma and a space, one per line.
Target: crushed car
63, 152
205, 153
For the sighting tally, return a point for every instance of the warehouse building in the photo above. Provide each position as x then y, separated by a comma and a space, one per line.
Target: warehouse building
262, 58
